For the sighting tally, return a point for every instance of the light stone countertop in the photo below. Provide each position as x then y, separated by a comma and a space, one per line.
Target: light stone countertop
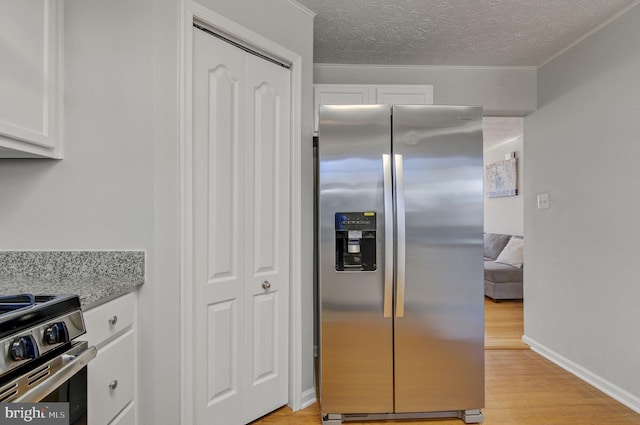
92, 291
95, 276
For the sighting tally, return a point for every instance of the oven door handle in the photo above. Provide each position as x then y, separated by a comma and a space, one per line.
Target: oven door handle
73, 363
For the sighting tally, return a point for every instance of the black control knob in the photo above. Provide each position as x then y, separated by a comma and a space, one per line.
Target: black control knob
56, 333
23, 348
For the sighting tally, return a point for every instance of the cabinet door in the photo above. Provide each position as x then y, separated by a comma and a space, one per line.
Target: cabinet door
404, 95
339, 94
364, 94
30, 39
111, 379
126, 417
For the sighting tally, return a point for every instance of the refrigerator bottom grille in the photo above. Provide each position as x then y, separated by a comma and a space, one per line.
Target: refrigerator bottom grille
468, 416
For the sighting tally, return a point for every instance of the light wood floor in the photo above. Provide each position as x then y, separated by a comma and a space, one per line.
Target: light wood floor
503, 325
522, 388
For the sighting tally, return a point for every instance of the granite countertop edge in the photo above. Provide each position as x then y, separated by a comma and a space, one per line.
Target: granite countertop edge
92, 290
95, 276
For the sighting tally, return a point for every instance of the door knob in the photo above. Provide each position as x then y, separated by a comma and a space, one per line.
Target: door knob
266, 284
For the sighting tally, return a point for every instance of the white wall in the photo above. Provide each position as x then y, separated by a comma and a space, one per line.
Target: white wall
159, 313
502, 91
118, 186
505, 214
99, 196
582, 291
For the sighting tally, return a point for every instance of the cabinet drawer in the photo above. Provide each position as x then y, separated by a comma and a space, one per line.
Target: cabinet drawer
111, 379
127, 417
109, 319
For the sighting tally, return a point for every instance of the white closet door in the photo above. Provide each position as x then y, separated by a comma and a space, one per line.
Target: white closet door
267, 237
241, 214
218, 197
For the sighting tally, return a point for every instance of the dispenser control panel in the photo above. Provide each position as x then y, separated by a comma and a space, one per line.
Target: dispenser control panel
355, 241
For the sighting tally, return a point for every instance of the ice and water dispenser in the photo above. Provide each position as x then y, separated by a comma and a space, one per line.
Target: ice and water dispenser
355, 241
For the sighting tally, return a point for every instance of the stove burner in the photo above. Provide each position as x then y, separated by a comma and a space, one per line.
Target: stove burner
15, 302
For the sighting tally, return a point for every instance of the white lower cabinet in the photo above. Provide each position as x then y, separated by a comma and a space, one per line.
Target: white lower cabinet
126, 417
111, 380
111, 375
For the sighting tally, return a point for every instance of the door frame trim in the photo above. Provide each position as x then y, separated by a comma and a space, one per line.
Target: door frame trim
191, 11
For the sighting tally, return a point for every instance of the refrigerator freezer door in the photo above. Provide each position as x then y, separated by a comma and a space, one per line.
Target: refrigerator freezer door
356, 341
439, 347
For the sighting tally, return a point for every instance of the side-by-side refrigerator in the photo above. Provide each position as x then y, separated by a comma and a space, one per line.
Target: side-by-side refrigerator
400, 267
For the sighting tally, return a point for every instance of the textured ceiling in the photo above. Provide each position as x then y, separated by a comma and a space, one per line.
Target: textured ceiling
452, 32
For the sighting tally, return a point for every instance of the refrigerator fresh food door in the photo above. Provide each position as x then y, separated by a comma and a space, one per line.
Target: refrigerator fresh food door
439, 311
356, 341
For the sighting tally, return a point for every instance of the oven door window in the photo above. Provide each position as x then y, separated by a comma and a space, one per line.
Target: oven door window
74, 392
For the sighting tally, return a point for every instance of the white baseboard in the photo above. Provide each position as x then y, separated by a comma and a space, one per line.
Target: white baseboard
308, 397
612, 390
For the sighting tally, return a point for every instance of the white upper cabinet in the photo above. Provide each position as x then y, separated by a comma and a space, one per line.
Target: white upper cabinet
404, 95
30, 78
366, 94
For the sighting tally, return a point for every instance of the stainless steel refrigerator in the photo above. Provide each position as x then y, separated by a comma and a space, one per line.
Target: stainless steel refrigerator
400, 268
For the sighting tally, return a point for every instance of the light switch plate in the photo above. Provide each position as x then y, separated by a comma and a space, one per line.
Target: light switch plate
543, 201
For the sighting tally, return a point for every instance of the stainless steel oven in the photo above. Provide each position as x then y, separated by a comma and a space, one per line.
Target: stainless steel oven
40, 360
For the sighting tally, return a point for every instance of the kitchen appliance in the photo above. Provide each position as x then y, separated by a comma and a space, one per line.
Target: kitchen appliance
400, 262
40, 360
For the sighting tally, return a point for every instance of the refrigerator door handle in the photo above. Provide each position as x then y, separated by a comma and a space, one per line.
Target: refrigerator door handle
388, 235
401, 236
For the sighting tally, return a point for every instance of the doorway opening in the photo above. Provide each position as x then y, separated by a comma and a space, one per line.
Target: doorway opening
504, 215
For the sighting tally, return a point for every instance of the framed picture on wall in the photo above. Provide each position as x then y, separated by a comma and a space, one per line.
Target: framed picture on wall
501, 178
